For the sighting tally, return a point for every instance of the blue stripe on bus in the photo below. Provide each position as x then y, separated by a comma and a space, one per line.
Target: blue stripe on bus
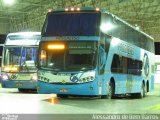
92, 38
27, 84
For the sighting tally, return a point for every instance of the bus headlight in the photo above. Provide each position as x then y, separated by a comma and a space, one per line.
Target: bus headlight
35, 77
4, 77
87, 79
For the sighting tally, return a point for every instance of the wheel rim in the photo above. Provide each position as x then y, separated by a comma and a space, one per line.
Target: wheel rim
110, 92
142, 91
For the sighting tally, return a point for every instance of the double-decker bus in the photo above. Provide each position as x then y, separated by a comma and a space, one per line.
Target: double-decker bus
19, 61
92, 52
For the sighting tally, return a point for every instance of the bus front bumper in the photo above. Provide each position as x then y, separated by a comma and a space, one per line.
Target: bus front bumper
26, 84
89, 88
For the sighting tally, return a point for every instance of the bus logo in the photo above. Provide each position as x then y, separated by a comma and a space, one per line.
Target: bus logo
74, 78
146, 64
14, 76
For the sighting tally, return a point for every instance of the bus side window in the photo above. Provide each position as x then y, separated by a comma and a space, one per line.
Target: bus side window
124, 65
134, 67
116, 64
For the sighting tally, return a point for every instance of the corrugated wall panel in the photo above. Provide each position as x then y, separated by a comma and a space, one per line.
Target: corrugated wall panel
4, 26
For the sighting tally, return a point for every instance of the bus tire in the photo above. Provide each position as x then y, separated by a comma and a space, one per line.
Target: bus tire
22, 90
104, 96
27, 90
134, 95
111, 90
62, 96
142, 94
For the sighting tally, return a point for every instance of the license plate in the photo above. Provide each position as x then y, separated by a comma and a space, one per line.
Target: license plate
63, 90
19, 84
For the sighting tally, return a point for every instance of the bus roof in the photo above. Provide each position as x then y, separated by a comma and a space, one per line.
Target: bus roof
128, 24
24, 33
76, 9
96, 9
23, 38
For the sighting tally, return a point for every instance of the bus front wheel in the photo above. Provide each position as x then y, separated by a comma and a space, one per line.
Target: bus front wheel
111, 89
22, 90
62, 96
142, 94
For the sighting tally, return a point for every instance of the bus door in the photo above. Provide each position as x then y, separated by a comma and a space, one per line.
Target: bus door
102, 60
101, 68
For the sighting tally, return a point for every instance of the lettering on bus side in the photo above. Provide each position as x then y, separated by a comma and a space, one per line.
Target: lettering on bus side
126, 49
67, 37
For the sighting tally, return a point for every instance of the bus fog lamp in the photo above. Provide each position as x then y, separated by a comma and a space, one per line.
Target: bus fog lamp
91, 88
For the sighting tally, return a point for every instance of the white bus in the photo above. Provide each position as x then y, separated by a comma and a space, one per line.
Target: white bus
19, 61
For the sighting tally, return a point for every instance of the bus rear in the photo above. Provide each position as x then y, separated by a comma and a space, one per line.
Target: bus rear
19, 61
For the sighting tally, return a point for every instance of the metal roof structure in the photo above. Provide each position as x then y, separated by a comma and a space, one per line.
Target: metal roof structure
30, 14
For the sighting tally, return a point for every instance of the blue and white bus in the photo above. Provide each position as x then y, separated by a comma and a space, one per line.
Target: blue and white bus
94, 53
19, 61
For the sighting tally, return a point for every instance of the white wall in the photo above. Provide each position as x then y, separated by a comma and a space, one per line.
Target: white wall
157, 74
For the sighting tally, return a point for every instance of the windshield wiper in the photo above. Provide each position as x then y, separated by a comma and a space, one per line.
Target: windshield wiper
56, 70
25, 66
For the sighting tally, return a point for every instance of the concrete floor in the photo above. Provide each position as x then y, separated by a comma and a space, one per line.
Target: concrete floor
11, 101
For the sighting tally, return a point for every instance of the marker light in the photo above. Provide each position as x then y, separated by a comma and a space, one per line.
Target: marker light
50, 10
56, 47
72, 9
97, 9
14, 69
66, 9
78, 9
7, 68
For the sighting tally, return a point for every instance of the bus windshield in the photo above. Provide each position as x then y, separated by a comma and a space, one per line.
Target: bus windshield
71, 24
24, 57
78, 56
